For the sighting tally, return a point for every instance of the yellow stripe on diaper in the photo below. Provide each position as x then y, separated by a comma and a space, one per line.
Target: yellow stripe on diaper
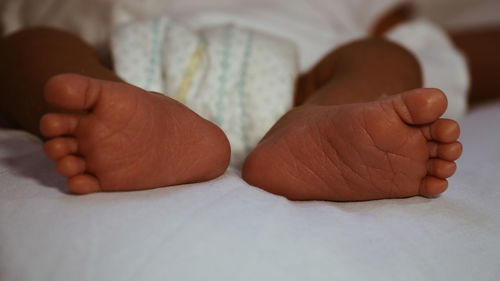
192, 67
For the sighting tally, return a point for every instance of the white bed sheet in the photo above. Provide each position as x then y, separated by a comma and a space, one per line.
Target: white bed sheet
227, 230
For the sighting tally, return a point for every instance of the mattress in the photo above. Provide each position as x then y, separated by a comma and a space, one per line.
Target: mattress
225, 229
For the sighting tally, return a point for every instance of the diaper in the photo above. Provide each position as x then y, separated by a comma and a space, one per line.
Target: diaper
443, 66
241, 80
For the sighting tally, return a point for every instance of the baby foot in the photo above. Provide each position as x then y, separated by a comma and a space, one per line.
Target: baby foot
391, 148
124, 138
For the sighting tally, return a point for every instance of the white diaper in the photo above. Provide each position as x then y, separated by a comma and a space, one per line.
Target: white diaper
240, 79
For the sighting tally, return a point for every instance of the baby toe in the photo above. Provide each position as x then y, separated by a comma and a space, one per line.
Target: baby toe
60, 147
56, 124
70, 165
441, 168
450, 151
432, 186
443, 130
84, 184
445, 151
446, 130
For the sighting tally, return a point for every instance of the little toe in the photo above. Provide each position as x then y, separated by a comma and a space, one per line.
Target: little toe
84, 184
56, 124
441, 168
443, 130
72, 91
70, 166
432, 186
445, 151
420, 106
60, 147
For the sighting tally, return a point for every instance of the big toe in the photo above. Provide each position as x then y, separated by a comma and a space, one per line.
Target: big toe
420, 106
72, 91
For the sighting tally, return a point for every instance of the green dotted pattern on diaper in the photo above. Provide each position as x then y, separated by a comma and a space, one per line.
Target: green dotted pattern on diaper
242, 83
137, 52
154, 60
222, 92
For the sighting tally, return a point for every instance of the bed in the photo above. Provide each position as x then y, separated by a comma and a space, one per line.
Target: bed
225, 229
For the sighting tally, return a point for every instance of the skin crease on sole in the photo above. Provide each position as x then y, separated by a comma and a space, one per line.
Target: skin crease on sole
395, 147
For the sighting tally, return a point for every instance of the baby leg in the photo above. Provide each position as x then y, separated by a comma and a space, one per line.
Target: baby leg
363, 134
481, 47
